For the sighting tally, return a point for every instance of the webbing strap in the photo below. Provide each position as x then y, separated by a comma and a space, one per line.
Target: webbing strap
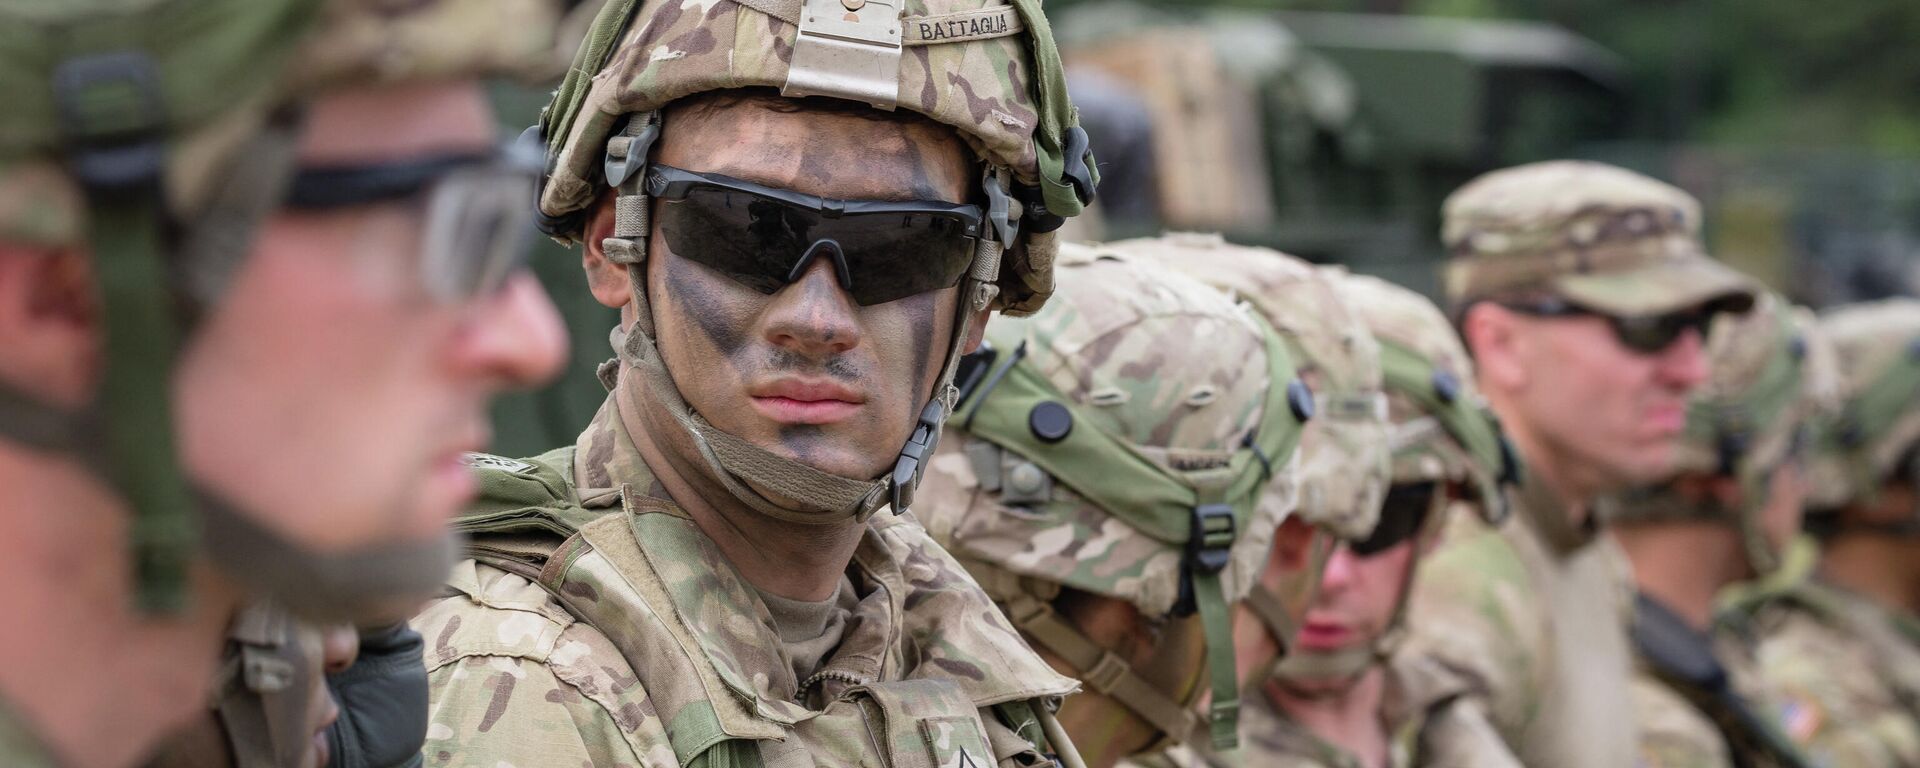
142, 336
30, 422
1266, 607
1223, 713
1097, 666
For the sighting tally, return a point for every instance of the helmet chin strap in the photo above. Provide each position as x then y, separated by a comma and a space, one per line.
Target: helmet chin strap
774, 485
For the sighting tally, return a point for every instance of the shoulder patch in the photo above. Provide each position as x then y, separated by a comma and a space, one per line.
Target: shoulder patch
502, 463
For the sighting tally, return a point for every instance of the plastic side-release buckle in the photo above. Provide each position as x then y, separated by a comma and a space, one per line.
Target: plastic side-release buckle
110, 106
847, 49
1210, 534
913, 456
1079, 166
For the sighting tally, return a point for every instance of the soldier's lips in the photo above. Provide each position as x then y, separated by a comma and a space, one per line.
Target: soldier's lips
793, 401
1323, 635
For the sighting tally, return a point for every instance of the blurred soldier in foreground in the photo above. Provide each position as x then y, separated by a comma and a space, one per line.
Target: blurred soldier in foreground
711, 575
1344, 696
1724, 517
1838, 651
1581, 291
213, 305
1116, 489
1344, 451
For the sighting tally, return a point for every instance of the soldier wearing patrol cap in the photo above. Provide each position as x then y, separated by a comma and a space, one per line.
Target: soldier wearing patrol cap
805, 210
1723, 518
1581, 291
246, 344
1116, 490
1838, 649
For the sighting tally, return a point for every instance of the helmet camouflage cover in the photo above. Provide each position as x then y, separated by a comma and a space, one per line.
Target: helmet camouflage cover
988, 68
1877, 345
1442, 428
1772, 380
1107, 453
1344, 454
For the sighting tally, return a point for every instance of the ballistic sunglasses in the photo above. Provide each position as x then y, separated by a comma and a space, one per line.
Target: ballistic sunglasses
478, 208
766, 238
1402, 515
1645, 334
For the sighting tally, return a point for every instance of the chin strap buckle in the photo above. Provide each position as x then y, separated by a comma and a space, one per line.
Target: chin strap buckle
914, 455
110, 106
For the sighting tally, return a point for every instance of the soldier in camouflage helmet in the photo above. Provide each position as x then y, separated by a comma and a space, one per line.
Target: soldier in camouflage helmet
805, 210
1117, 489
1837, 647
1582, 291
1346, 695
240, 347
1725, 517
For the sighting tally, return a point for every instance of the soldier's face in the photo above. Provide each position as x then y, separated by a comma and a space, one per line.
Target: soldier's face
327, 391
806, 372
1606, 416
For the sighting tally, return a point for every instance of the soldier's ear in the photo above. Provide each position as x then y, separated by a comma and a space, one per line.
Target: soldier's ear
605, 279
50, 319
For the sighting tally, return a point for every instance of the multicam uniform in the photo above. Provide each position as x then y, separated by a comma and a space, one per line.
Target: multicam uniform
1841, 679
1697, 691
1427, 716
1534, 613
1841, 672
595, 623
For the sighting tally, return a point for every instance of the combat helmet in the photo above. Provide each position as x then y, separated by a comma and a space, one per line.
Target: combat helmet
1873, 439
158, 134
1772, 382
1444, 437
1099, 449
1344, 452
988, 68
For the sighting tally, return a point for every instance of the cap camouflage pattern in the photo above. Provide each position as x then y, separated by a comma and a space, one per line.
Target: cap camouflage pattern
986, 67
1107, 453
1345, 461
1601, 237
1442, 429
1877, 345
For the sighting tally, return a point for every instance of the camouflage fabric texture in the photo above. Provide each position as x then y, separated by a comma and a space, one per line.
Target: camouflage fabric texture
1442, 430
1878, 348
1538, 630
1601, 237
1112, 348
352, 43
639, 645
988, 68
1345, 457
1673, 734
1835, 672
1429, 722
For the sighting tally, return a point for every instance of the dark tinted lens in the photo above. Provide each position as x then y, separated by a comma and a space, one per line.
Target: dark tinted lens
756, 241
1652, 334
1401, 516
750, 239
892, 256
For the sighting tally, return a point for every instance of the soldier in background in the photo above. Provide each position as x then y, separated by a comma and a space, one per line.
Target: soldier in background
1582, 292
1116, 489
1724, 517
1838, 649
1345, 695
212, 306
805, 213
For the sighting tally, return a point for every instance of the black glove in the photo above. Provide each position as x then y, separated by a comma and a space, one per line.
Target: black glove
383, 702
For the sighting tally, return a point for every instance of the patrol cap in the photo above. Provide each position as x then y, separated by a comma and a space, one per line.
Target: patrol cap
1601, 237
